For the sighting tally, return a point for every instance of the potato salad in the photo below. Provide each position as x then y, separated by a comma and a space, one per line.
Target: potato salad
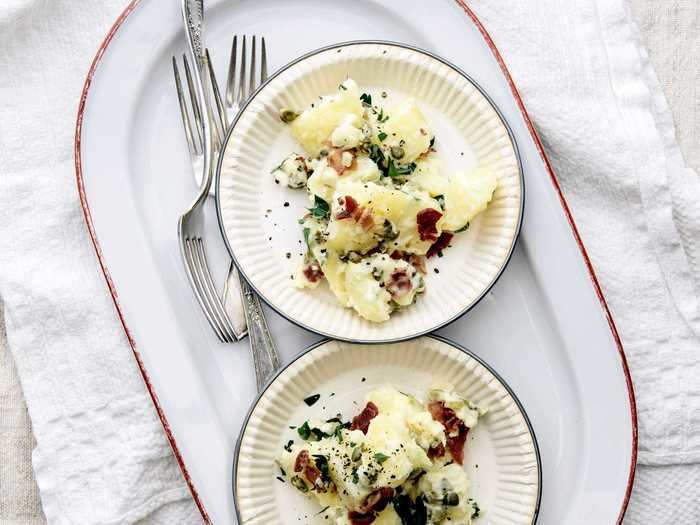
381, 200
398, 462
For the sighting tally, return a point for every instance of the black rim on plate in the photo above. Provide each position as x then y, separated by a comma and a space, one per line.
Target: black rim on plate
335, 336
457, 346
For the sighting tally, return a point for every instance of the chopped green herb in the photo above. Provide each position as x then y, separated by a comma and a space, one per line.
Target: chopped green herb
382, 117
281, 479
307, 231
282, 470
463, 228
377, 155
356, 454
355, 477
288, 446
441, 201
380, 458
304, 431
381, 136
401, 170
311, 400
322, 510
366, 99
322, 465
341, 86
321, 209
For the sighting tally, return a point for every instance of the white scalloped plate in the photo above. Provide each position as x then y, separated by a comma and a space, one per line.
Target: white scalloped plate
265, 238
501, 454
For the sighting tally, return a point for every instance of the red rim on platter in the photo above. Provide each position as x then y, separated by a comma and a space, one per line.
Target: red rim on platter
113, 291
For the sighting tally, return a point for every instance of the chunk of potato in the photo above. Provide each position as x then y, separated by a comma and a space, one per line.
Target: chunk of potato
364, 293
315, 125
468, 193
406, 128
430, 176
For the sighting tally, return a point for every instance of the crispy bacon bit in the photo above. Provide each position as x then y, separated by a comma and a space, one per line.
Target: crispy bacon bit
427, 219
313, 272
301, 461
361, 519
396, 255
442, 243
349, 206
399, 283
377, 500
311, 472
361, 421
335, 160
456, 445
437, 451
363, 216
455, 429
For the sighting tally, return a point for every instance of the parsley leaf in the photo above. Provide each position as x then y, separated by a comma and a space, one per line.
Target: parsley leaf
304, 431
381, 136
367, 99
321, 209
307, 231
400, 171
380, 458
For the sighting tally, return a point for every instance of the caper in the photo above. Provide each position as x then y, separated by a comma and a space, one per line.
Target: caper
397, 152
451, 499
354, 257
388, 231
288, 115
356, 454
299, 484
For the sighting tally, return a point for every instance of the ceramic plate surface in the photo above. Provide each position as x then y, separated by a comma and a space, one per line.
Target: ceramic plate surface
544, 324
261, 230
501, 456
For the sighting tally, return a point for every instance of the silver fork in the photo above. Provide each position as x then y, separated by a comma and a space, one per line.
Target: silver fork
265, 356
191, 223
236, 94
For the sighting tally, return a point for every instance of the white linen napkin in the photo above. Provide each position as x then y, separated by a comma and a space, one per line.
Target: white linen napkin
101, 456
600, 112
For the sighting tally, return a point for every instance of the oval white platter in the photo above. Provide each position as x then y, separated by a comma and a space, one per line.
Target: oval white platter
501, 455
544, 325
260, 217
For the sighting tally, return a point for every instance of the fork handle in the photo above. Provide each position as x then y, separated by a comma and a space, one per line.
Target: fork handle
265, 358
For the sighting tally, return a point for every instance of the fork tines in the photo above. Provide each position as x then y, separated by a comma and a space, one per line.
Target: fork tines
237, 92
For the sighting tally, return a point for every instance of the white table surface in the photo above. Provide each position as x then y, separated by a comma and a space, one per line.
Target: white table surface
671, 32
